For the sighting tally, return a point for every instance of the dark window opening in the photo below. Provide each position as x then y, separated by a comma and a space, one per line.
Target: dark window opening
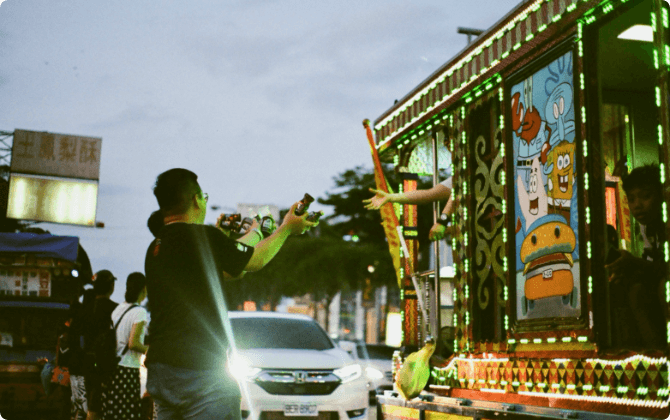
629, 118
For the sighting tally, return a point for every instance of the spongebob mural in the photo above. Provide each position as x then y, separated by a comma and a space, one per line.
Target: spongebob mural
546, 205
560, 177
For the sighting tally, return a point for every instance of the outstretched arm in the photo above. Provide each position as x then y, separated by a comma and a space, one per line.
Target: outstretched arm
438, 192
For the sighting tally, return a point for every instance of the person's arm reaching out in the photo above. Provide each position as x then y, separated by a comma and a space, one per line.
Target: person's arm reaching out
436, 193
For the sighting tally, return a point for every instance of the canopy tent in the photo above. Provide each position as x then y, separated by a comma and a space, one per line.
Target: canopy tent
40, 245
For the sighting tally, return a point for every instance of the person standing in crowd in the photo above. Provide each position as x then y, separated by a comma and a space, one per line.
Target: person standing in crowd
121, 396
103, 287
76, 360
638, 281
439, 192
186, 266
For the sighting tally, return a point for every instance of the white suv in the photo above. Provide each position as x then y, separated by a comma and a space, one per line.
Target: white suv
287, 366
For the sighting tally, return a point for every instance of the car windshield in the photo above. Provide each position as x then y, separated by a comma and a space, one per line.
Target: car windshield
279, 333
377, 352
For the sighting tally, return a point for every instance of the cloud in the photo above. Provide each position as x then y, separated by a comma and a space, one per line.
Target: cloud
108, 189
228, 50
133, 115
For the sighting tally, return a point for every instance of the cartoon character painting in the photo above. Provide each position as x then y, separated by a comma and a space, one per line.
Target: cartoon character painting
547, 256
556, 112
528, 125
561, 177
547, 244
533, 201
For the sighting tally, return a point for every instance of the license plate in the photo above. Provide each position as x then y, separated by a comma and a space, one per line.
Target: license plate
300, 410
548, 274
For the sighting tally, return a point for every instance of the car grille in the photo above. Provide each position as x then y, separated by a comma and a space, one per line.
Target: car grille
279, 415
298, 382
389, 375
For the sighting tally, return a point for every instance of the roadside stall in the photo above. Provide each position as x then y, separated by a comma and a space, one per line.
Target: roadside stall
40, 276
538, 120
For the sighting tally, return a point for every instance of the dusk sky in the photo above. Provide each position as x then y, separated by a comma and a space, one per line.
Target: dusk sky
263, 99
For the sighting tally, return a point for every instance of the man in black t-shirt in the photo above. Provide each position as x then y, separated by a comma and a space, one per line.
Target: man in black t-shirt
185, 267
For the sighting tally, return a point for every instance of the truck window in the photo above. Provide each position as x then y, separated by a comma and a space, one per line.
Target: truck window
628, 121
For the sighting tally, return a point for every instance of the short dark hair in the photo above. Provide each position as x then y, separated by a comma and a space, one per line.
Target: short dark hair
134, 285
647, 177
103, 282
174, 189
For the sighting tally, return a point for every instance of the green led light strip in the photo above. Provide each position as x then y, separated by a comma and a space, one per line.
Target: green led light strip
464, 61
604, 7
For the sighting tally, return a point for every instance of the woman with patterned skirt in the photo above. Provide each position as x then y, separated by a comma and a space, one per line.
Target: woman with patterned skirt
122, 399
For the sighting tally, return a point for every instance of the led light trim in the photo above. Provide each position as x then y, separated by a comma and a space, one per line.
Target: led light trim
458, 65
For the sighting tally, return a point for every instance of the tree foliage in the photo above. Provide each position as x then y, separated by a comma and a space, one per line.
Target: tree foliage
349, 215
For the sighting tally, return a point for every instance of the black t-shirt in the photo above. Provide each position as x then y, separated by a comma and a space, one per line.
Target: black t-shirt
102, 314
184, 281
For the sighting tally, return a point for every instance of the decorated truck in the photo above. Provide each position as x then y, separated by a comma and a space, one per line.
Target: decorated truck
538, 122
40, 276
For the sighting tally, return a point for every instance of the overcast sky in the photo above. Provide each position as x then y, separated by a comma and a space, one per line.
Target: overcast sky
263, 99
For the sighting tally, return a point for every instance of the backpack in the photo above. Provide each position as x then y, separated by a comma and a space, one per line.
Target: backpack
104, 349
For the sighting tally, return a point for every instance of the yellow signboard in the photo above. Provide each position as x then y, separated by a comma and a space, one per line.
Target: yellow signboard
48, 199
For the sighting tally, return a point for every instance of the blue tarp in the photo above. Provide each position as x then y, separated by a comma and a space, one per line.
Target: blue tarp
40, 245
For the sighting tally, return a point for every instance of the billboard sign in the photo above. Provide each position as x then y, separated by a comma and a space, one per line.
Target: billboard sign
64, 155
48, 199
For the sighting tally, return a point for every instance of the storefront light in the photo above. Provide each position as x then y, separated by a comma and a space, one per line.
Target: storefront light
642, 33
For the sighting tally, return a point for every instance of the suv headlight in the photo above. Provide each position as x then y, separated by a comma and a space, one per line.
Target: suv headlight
373, 373
241, 370
348, 373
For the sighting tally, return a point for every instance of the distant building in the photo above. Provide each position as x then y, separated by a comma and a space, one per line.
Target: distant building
246, 209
